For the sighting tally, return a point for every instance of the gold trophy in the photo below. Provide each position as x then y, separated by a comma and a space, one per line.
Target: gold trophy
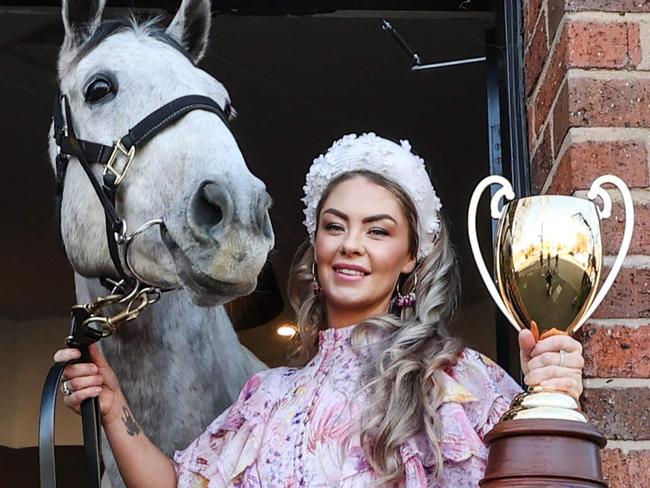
547, 263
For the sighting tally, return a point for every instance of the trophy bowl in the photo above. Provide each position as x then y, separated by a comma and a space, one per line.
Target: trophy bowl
548, 260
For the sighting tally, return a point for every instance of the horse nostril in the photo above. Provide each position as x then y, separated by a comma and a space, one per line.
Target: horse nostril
262, 213
211, 204
211, 208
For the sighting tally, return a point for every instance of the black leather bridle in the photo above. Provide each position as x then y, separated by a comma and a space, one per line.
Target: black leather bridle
83, 331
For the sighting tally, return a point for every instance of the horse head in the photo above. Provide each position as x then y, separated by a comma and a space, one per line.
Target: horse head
216, 233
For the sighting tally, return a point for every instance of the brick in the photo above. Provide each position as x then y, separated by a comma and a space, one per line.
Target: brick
626, 469
634, 44
602, 44
555, 13
562, 182
619, 413
550, 83
530, 119
613, 229
629, 297
622, 6
542, 161
626, 159
609, 103
583, 162
611, 45
535, 55
531, 13
616, 351
560, 117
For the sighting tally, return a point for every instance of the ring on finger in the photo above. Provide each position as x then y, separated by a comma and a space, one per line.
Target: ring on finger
562, 356
65, 388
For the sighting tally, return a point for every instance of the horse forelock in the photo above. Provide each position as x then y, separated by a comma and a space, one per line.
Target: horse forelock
150, 27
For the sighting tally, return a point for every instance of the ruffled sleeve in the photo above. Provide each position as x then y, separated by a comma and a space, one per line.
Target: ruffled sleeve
493, 388
230, 444
477, 393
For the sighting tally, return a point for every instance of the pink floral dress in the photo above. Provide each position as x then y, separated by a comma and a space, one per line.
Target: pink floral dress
296, 427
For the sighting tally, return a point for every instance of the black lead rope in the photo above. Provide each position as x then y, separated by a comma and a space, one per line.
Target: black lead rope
81, 335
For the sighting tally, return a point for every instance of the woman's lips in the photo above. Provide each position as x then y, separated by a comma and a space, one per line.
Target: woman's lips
350, 273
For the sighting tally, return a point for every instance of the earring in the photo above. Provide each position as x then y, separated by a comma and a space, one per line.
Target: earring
408, 300
317, 289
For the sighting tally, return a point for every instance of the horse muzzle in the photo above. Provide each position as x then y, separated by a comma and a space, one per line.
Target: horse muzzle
219, 247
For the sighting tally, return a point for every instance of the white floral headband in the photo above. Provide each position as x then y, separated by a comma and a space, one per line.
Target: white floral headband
393, 161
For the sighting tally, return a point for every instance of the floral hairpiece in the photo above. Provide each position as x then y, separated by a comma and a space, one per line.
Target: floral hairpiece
393, 161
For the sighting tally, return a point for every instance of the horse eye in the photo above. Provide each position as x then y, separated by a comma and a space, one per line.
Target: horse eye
98, 89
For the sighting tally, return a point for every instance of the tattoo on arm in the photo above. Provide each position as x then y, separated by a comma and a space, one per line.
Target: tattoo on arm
132, 428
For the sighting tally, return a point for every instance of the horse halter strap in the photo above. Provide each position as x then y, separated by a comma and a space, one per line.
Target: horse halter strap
124, 148
130, 290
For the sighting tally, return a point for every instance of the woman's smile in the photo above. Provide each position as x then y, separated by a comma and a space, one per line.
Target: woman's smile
349, 272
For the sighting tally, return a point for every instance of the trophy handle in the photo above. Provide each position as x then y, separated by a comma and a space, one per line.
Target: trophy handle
597, 190
504, 191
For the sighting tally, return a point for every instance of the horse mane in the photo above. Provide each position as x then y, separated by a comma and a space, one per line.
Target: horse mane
151, 27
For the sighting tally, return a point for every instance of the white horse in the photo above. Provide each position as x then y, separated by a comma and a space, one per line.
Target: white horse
180, 363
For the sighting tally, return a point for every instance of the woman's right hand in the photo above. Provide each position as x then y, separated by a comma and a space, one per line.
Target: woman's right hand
89, 380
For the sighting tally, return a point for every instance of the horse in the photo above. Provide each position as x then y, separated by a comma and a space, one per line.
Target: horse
180, 362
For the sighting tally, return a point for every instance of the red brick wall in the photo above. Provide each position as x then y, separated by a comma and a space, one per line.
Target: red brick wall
587, 74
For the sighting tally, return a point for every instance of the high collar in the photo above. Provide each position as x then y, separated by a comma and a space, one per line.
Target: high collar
335, 336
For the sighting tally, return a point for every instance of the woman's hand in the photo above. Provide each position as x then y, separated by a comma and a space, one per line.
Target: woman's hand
140, 462
89, 380
544, 364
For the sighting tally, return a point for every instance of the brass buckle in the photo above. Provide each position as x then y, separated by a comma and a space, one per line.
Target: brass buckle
110, 168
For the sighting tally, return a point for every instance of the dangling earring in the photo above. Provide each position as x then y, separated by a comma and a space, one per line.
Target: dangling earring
318, 290
408, 300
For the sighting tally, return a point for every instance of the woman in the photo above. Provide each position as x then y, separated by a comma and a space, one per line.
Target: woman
386, 397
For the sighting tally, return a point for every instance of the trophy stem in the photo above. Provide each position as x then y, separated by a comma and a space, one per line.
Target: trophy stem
537, 403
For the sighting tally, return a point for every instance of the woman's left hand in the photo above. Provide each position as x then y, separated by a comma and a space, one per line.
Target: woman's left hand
544, 363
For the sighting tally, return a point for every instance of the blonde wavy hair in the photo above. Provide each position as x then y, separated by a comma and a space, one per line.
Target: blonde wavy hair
402, 375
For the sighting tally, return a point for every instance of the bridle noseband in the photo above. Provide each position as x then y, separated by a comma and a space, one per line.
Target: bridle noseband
129, 292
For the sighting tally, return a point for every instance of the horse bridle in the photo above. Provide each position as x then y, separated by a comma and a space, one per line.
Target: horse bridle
130, 291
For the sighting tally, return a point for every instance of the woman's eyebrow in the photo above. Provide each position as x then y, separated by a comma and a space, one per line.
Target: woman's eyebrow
337, 213
375, 218
371, 218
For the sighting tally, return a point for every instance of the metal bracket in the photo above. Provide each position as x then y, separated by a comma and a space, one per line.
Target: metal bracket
416, 61
110, 165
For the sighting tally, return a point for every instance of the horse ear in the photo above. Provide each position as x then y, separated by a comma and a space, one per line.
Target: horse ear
80, 19
191, 27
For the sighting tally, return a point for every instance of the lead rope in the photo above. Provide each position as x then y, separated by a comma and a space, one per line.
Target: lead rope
80, 336
89, 324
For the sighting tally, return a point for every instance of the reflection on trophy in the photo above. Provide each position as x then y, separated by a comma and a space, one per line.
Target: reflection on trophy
547, 263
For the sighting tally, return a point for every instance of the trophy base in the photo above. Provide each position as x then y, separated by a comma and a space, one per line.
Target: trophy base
544, 452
